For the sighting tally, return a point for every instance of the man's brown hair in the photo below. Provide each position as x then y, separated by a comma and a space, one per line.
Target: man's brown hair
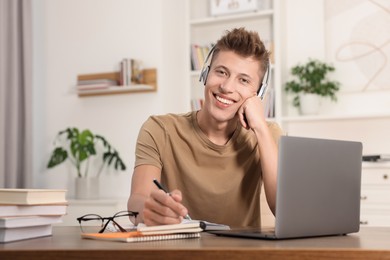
244, 43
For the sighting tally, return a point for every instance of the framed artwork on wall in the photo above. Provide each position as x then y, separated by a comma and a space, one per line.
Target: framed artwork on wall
225, 7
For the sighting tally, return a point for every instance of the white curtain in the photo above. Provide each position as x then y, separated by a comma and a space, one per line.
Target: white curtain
15, 94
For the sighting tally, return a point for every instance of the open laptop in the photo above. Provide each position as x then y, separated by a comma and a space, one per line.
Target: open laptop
318, 190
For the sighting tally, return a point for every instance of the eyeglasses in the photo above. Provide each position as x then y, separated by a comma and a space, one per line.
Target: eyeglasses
93, 223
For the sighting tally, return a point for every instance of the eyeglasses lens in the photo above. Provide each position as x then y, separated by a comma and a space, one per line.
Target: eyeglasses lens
91, 223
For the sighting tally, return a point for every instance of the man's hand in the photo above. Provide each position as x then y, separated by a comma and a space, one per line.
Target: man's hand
251, 113
162, 208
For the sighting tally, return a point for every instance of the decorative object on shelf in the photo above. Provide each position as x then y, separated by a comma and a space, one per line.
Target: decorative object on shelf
312, 83
224, 7
78, 147
130, 72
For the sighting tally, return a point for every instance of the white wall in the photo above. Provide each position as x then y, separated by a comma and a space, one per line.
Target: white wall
74, 37
79, 37
308, 33
364, 115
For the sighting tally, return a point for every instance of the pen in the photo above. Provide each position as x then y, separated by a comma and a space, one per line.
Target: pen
163, 189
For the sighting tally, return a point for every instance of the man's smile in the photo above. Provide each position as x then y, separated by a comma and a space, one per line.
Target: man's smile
224, 100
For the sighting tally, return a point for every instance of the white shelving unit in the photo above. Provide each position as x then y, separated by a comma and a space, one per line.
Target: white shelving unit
375, 194
204, 29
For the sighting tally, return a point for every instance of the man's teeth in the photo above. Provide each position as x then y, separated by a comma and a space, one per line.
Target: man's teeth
223, 100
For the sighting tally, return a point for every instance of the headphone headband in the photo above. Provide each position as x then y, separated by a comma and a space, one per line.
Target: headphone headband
206, 69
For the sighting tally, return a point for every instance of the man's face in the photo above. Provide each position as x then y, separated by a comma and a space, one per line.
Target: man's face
231, 80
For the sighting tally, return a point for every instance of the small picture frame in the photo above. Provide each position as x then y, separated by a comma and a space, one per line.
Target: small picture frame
225, 7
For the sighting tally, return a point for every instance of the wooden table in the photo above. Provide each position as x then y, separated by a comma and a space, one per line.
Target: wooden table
369, 243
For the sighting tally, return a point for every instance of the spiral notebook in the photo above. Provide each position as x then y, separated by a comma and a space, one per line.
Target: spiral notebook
151, 233
136, 236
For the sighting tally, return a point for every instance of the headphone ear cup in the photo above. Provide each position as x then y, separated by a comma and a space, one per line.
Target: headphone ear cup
259, 90
204, 74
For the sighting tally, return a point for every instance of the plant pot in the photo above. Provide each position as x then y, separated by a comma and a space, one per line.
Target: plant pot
87, 188
310, 104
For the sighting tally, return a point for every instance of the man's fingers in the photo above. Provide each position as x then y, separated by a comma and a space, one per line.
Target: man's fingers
162, 208
152, 218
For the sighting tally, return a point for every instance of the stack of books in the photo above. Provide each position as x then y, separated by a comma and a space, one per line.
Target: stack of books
96, 81
30, 213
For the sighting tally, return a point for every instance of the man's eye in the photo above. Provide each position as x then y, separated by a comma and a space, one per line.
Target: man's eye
244, 81
221, 72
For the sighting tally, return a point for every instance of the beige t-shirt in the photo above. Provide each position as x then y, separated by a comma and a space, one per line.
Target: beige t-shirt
219, 183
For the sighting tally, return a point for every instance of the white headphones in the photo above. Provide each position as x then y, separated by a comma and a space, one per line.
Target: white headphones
206, 69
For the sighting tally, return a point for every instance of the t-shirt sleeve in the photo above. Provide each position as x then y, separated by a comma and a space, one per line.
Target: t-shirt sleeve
276, 131
150, 143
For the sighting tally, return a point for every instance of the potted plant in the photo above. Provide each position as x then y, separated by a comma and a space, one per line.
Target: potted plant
79, 147
311, 83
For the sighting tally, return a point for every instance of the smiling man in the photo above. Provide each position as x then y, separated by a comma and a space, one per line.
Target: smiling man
213, 161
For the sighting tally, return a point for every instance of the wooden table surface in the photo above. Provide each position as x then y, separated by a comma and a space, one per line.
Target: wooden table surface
66, 243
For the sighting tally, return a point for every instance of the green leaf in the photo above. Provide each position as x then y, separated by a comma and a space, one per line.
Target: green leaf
78, 146
58, 156
312, 78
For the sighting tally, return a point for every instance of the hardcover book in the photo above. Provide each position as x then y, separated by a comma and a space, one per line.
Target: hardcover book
32, 210
28, 221
32, 196
21, 233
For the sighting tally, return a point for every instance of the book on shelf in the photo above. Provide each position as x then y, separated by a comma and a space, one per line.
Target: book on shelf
125, 72
269, 103
199, 54
93, 87
107, 82
28, 221
197, 104
33, 210
136, 236
136, 71
93, 84
32, 196
99, 76
131, 72
21, 233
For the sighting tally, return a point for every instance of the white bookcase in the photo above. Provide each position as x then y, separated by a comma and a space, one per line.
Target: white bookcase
204, 29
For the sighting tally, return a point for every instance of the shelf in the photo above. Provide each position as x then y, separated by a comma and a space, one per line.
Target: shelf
376, 165
303, 119
149, 84
117, 90
227, 18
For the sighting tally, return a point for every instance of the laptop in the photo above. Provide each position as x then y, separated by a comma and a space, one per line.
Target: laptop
318, 190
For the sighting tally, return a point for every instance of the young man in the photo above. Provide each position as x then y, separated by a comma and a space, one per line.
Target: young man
212, 161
